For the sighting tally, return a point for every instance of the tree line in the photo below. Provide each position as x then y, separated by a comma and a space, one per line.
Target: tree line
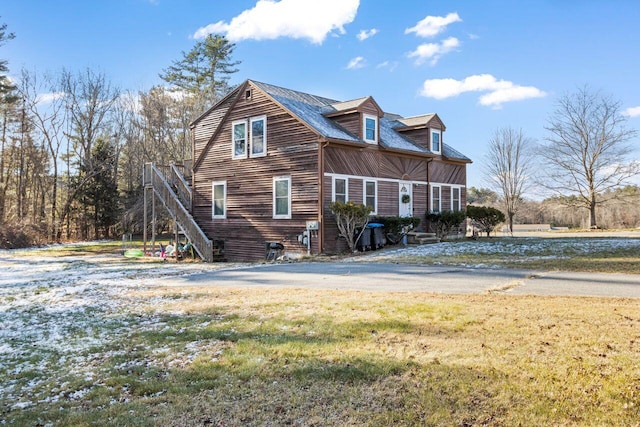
73, 144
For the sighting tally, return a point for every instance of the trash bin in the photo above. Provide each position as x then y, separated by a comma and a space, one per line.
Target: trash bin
364, 242
377, 236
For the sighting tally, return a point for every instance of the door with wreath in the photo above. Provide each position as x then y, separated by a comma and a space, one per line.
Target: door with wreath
405, 199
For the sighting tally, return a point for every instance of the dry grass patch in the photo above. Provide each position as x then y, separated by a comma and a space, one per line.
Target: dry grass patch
217, 356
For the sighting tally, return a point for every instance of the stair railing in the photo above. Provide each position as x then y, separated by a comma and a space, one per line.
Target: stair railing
201, 243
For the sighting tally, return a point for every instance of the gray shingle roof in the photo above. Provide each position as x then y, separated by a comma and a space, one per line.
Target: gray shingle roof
452, 153
311, 109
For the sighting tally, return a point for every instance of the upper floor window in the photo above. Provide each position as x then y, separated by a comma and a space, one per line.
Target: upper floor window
455, 199
435, 199
340, 190
258, 136
239, 139
370, 128
436, 144
219, 208
370, 195
282, 197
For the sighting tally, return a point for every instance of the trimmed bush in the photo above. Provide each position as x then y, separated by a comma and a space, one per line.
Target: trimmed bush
444, 222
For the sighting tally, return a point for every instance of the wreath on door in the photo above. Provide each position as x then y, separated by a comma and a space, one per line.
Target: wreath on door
405, 198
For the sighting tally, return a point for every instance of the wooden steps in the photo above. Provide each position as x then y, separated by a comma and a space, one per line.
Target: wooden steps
417, 238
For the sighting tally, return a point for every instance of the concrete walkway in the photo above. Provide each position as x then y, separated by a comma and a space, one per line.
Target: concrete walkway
416, 278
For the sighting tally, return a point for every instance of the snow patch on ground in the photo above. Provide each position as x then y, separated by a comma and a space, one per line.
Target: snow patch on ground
531, 248
63, 319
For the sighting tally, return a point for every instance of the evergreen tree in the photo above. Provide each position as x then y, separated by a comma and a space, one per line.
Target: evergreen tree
204, 71
5, 83
102, 192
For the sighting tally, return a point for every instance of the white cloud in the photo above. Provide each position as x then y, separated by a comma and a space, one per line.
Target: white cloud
632, 112
434, 51
497, 91
355, 63
297, 19
365, 34
47, 98
433, 25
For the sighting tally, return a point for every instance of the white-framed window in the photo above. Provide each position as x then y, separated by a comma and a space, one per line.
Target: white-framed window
370, 128
219, 192
370, 195
258, 128
455, 198
340, 190
435, 198
436, 141
239, 139
282, 197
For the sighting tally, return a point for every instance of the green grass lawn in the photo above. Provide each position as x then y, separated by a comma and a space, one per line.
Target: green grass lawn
129, 350
212, 356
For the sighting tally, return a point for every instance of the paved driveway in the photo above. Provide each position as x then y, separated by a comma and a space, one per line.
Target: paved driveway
415, 278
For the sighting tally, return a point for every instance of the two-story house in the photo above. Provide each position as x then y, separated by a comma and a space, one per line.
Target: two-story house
269, 160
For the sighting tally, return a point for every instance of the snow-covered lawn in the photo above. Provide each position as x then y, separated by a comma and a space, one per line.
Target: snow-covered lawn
522, 249
62, 318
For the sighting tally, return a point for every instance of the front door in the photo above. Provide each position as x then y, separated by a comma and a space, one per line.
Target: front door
405, 199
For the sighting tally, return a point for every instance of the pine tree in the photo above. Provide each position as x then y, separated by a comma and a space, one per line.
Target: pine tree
5, 83
204, 71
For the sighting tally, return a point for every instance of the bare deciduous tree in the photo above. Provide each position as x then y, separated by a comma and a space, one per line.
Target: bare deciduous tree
588, 149
46, 107
508, 168
89, 98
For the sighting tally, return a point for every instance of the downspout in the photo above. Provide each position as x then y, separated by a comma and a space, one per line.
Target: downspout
321, 145
429, 182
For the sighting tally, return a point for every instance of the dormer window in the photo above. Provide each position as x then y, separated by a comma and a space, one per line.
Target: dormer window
370, 126
436, 143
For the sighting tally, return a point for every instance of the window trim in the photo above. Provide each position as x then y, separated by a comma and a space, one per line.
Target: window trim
375, 194
346, 188
233, 139
288, 214
264, 136
439, 133
433, 187
364, 128
453, 207
213, 199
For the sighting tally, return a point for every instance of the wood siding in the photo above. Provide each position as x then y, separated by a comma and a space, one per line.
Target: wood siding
352, 123
419, 136
448, 172
292, 150
361, 161
387, 169
206, 127
402, 167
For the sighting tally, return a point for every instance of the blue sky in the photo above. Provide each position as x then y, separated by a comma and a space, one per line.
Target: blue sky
478, 65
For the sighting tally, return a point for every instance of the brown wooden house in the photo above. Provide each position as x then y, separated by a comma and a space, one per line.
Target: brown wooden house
268, 160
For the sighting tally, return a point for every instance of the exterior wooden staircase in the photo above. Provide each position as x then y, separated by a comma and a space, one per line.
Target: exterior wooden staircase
169, 185
417, 238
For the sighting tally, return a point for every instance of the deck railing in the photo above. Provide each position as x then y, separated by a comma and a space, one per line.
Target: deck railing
174, 204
